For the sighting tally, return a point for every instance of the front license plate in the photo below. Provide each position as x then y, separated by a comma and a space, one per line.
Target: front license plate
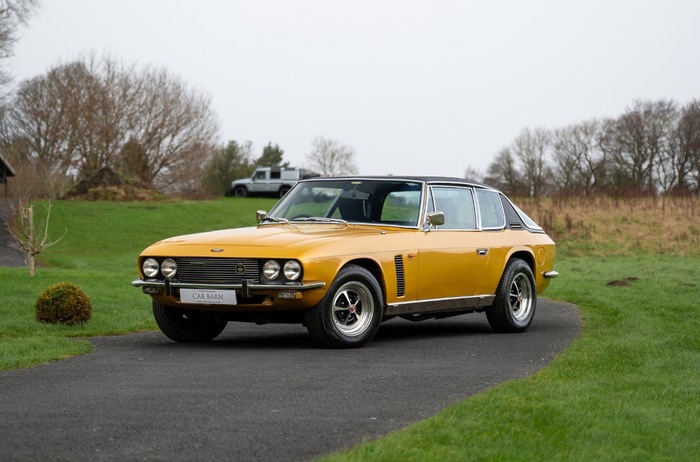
208, 296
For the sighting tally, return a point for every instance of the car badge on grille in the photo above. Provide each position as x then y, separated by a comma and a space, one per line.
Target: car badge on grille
217, 250
240, 268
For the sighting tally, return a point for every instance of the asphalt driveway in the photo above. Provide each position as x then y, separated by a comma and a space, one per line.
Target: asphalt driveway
11, 254
260, 393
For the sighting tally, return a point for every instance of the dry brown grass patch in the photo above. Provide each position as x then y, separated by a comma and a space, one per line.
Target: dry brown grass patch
610, 226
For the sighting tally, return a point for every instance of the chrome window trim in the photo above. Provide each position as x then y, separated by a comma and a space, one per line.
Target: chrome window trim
431, 187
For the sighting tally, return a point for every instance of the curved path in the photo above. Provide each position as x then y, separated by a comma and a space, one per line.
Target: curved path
260, 393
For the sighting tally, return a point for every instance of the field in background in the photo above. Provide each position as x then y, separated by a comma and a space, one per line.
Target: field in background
605, 226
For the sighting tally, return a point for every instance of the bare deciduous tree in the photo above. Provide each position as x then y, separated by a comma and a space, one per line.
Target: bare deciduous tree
504, 174
685, 159
95, 113
331, 158
640, 139
531, 147
32, 239
578, 160
173, 124
473, 174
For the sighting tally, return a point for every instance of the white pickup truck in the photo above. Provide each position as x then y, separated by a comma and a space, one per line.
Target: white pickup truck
269, 181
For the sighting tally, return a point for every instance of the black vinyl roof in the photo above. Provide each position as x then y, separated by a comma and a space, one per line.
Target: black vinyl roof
426, 179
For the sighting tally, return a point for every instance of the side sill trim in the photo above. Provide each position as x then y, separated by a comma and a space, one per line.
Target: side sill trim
439, 305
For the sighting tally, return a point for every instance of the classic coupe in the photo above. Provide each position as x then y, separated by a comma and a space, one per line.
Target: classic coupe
342, 255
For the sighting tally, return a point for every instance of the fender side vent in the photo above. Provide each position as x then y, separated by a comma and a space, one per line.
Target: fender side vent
400, 279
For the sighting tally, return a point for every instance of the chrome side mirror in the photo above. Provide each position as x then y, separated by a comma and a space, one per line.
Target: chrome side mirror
260, 215
435, 219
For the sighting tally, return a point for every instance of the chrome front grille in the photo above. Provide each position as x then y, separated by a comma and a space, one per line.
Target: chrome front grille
217, 270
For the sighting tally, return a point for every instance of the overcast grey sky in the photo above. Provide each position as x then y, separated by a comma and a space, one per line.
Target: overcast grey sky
415, 87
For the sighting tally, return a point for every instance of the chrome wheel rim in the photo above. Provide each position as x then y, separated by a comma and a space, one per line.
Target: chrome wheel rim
521, 297
353, 309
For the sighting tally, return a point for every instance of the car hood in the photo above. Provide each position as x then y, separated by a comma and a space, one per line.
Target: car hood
261, 241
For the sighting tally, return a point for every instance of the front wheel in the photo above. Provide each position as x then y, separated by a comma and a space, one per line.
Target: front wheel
516, 299
187, 326
350, 313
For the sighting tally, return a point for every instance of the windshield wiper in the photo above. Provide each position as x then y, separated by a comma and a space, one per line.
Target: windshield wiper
320, 220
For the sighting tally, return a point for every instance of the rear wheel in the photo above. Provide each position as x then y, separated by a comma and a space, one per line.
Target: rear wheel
516, 299
283, 190
187, 325
350, 313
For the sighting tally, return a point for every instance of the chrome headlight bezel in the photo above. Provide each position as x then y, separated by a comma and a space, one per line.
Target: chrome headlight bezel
150, 267
292, 270
271, 270
168, 268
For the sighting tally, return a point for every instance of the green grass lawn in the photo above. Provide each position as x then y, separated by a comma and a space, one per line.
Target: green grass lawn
626, 389
98, 253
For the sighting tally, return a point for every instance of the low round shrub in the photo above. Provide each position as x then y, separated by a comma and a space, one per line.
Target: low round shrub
63, 303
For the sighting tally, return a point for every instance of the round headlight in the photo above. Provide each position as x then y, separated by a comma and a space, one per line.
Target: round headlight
292, 270
150, 267
168, 267
271, 270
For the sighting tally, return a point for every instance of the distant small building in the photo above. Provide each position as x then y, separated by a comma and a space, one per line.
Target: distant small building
6, 172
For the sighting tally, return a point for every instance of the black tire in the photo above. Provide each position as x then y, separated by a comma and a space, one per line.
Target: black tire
187, 326
283, 190
516, 299
350, 313
240, 191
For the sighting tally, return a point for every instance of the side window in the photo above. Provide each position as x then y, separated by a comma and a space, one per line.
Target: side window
491, 209
458, 206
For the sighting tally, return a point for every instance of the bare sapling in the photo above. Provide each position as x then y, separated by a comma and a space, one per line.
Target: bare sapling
23, 230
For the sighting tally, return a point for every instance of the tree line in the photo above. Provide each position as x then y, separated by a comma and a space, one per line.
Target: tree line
652, 148
149, 126
92, 113
143, 123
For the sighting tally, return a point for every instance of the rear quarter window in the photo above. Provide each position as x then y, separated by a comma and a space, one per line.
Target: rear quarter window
491, 209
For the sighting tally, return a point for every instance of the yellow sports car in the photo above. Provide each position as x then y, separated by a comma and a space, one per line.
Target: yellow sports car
341, 255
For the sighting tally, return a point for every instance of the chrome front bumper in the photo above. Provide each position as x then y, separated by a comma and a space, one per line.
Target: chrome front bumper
246, 287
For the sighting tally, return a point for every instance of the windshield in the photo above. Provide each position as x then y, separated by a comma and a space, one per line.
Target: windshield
352, 201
